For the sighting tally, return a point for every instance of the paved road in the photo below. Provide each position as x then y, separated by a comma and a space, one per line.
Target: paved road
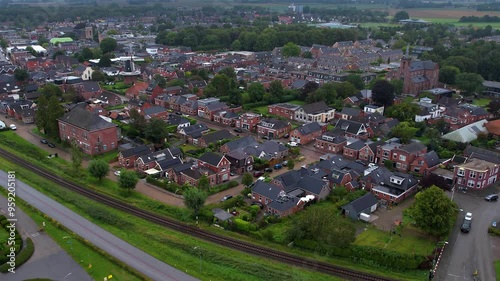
49, 260
470, 251
111, 244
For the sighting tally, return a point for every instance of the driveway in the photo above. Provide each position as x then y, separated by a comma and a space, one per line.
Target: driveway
472, 251
49, 260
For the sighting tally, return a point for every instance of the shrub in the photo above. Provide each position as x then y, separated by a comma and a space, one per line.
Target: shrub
244, 226
22, 257
494, 231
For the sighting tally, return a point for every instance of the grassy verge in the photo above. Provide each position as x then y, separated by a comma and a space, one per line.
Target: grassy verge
481, 102
94, 262
176, 249
497, 269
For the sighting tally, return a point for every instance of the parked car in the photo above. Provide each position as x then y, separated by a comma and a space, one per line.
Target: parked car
491, 197
51, 145
287, 135
12, 127
265, 137
468, 216
293, 144
466, 226
278, 166
268, 170
258, 173
117, 173
44, 141
285, 163
227, 197
238, 130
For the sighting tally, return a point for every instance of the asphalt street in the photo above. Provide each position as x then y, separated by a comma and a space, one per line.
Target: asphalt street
48, 261
116, 247
468, 252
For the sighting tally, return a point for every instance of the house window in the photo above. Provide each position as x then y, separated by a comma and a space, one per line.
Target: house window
472, 174
105, 147
402, 157
112, 145
480, 176
461, 172
127, 162
478, 185
470, 183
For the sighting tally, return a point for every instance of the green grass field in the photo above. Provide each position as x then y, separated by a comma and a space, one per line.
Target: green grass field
481, 102
4, 235
409, 242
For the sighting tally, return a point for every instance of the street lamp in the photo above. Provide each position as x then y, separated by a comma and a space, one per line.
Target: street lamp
195, 248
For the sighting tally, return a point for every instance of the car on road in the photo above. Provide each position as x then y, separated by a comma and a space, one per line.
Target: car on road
285, 163
12, 127
44, 141
293, 144
494, 224
258, 173
232, 174
238, 130
268, 170
278, 166
117, 173
227, 197
466, 226
491, 197
468, 216
266, 138
51, 145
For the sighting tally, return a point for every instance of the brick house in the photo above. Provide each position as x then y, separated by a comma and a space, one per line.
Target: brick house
214, 138
241, 161
384, 152
369, 152
193, 133
353, 129
89, 131
127, 157
475, 174
285, 110
248, 141
352, 149
149, 161
403, 156
426, 163
226, 118
248, 121
315, 112
157, 112
273, 128
348, 113
208, 107
303, 182
388, 186
216, 163
265, 193
90, 89
330, 142
463, 115
417, 76
285, 205
307, 133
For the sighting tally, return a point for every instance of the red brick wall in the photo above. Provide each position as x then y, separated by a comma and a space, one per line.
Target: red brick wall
89, 140
329, 147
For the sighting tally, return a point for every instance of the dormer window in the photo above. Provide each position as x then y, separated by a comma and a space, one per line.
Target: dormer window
396, 180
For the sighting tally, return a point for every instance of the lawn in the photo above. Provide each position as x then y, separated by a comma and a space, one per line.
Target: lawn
481, 102
497, 269
260, 109
108, 156
297, 102
4, 235
118, 87
410, 241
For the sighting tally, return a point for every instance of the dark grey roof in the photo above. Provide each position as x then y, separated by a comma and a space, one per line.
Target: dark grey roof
357, 145
348, 126
138, 151
195, 130
217, 106
309, 128
91, 86
221, 214
483, 154
174, 119
197, 173
211, 158
362, 203
265, 189
432, 158
85, 119
217, 136
273, 123
413, 147
350, 111
154, 110
241, 143
289, 179
284, 203
298, 84
312, 184
417, 65
315, 108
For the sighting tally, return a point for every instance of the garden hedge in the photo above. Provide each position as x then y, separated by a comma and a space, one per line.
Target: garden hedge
23, 256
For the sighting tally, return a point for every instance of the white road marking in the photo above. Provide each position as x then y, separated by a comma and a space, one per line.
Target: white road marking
453, 275
35, 234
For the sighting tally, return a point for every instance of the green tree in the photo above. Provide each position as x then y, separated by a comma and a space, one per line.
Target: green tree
76, 156
204, 183
290, 164
104, 61
108, 45
494, 107
356, 81
87, 54
98, 75
220, 85
176, 82
448, 74
46, 115
405, 111
161, 81
128, 180
4, 43
433, 211
156, 131
247, 179
98, 169
50, 90
383, 93
345, 89
330, 232
400, 15
137, 121
470, 83
194, 199
398, 85
404, 131
307, 55
256, 92
276, 91
290, 50
21, 75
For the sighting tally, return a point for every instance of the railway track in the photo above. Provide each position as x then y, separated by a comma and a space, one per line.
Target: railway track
194, 231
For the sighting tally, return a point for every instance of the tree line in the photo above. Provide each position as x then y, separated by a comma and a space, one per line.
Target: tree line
485, 18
